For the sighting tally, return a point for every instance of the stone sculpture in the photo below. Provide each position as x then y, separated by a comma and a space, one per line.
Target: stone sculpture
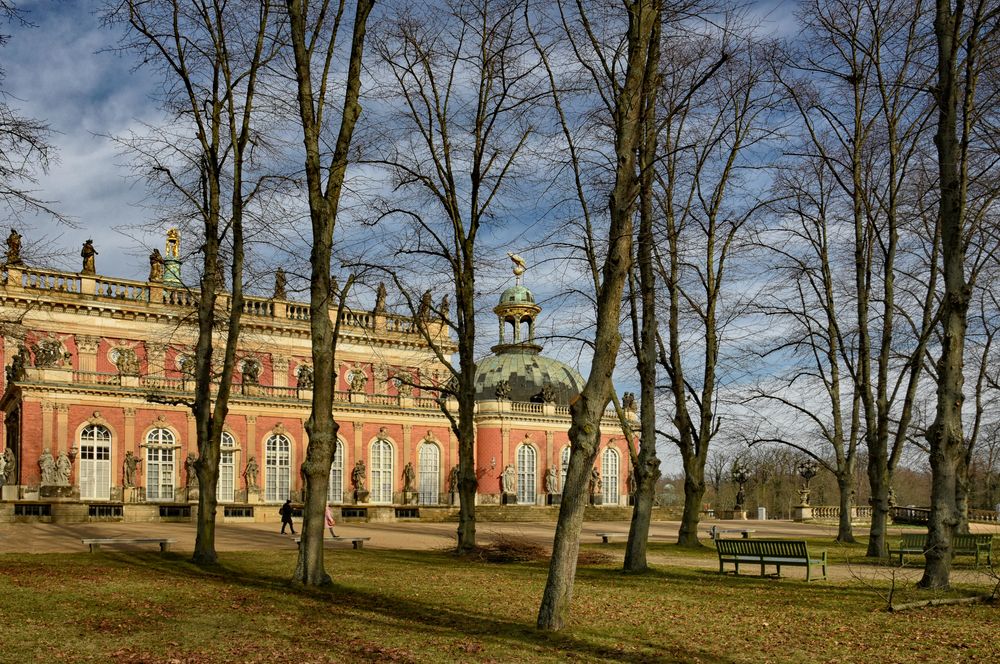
156, 266
358, 380
305, 376
358, 476
63, 467
13, 248
10, 467
250, 474
409, 477
551, 481
130, 466
502, 389
453, 479
251, 372
509, 477
190, 473
380, 299
127, 362
595, 481
280, 280
424, 312
87, 254
18, 367
47, 464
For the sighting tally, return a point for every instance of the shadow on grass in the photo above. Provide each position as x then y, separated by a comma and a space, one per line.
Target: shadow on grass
438, 617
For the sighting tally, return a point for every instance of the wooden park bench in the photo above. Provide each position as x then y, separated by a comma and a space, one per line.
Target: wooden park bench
607, 537
780, 553
97, 543
961, 545
358, 542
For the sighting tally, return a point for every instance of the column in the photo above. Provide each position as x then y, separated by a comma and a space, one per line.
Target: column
279, 371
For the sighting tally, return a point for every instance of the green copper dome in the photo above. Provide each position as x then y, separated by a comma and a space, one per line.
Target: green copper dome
527, 373
517, 295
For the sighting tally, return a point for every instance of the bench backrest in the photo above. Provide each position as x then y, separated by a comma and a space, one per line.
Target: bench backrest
914, 541
960, 542
763, 547
971, 541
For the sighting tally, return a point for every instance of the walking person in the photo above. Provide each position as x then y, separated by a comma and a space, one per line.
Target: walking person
286, 516
330, 522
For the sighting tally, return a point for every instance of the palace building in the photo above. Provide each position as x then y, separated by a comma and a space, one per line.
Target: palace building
95, 426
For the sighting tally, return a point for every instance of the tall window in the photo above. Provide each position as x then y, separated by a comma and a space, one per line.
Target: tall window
95, 463
609, 475
226, 491
381, 458
526, 474
277, 468
563, 466
335, 493
429, 463
160, 464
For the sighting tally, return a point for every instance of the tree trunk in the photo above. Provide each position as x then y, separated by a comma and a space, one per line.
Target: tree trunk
694, 494
945, 435
845, 483
646, 476
878, 481
554, 611
324, 186
467, 480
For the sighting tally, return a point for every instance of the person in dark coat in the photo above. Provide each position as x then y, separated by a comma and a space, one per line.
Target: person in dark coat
286, 516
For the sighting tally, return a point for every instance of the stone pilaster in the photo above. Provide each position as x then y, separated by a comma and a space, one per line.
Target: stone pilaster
156, 355
86, 346
506, 455
279, 370
407, 444
62, 428
47, 428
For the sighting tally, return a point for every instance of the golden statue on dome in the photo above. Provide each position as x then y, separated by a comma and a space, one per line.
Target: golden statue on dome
173, 243
519, 265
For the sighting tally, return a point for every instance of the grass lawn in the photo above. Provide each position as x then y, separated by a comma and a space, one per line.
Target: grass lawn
403, 606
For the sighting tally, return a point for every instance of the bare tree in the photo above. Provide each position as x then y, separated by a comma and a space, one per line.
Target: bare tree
210, 55
966, 39
855, 81
706, 208
462, 89
628, 96
314, 31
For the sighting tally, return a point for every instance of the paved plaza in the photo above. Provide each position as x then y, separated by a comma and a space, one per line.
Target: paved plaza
65, 538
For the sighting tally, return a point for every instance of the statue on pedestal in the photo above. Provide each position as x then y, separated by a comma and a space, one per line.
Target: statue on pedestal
191, 474
358, 476
87, 254
63, 467
551, 481
156, 266
305, 377
453, 479
47, 465
13, 249
129, 467
250, 474
379, 300
9, 468
279, 285
509, 479
409, 477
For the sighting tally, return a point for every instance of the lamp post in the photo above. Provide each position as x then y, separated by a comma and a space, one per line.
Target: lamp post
739, 475
807, 470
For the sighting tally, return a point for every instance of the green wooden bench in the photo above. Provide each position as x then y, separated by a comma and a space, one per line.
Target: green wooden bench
763, 552
961, 545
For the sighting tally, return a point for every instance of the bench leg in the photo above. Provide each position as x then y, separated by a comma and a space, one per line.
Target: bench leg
605, 540
94, 547
164, 546
358, 544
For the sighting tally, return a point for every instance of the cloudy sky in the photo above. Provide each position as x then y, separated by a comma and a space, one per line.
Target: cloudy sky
59, 70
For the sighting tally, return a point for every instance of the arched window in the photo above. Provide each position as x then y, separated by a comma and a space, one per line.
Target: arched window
335, 492
429, 463
277, 468
381, 471
563, 466
226, 491
526, 474
95, 463
160, 452
609, 475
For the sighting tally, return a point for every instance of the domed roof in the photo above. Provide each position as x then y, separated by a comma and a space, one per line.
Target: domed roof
517, 295
527, 373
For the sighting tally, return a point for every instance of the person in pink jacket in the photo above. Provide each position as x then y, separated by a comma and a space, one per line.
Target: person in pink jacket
330, 522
